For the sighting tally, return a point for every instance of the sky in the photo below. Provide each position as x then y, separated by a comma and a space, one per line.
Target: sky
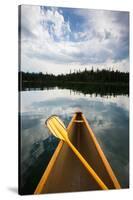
60, 40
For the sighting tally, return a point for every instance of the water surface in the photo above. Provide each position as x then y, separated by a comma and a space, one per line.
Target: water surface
108, 115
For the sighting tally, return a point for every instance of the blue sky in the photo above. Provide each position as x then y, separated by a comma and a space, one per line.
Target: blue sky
57, 40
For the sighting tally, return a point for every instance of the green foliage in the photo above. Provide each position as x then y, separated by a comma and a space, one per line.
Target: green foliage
79, 76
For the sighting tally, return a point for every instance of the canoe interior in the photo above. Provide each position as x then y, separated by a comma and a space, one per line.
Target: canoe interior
67, 173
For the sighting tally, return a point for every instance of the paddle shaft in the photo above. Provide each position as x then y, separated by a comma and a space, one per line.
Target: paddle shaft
87, 166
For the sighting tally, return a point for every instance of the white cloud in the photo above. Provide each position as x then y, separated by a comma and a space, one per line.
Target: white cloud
46, 44
54, 20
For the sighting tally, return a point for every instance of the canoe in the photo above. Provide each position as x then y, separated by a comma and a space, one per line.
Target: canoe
65, 172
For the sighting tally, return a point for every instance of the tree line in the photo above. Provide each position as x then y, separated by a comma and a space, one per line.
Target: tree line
103, 76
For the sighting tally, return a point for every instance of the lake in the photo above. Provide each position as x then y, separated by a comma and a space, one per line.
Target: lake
107, 114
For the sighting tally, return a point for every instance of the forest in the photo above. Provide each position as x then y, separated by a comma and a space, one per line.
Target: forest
86, 76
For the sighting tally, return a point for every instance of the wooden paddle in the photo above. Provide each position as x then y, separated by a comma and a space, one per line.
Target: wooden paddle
58, 129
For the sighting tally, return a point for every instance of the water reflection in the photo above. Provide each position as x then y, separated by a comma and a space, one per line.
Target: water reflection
85, 88
107, 115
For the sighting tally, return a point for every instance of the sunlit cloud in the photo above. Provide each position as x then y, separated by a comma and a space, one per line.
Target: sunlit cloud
57, 40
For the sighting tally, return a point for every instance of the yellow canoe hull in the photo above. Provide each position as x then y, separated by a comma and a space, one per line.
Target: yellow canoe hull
65, 172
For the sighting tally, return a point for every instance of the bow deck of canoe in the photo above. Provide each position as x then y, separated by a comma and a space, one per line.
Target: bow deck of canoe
65, 172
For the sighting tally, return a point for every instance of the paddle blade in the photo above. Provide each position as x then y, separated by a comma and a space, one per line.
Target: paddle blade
57, 127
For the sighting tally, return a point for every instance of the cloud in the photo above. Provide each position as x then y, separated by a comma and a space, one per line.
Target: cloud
53, 40
54, 22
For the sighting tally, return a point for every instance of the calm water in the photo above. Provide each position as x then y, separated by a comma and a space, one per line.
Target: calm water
107, 115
